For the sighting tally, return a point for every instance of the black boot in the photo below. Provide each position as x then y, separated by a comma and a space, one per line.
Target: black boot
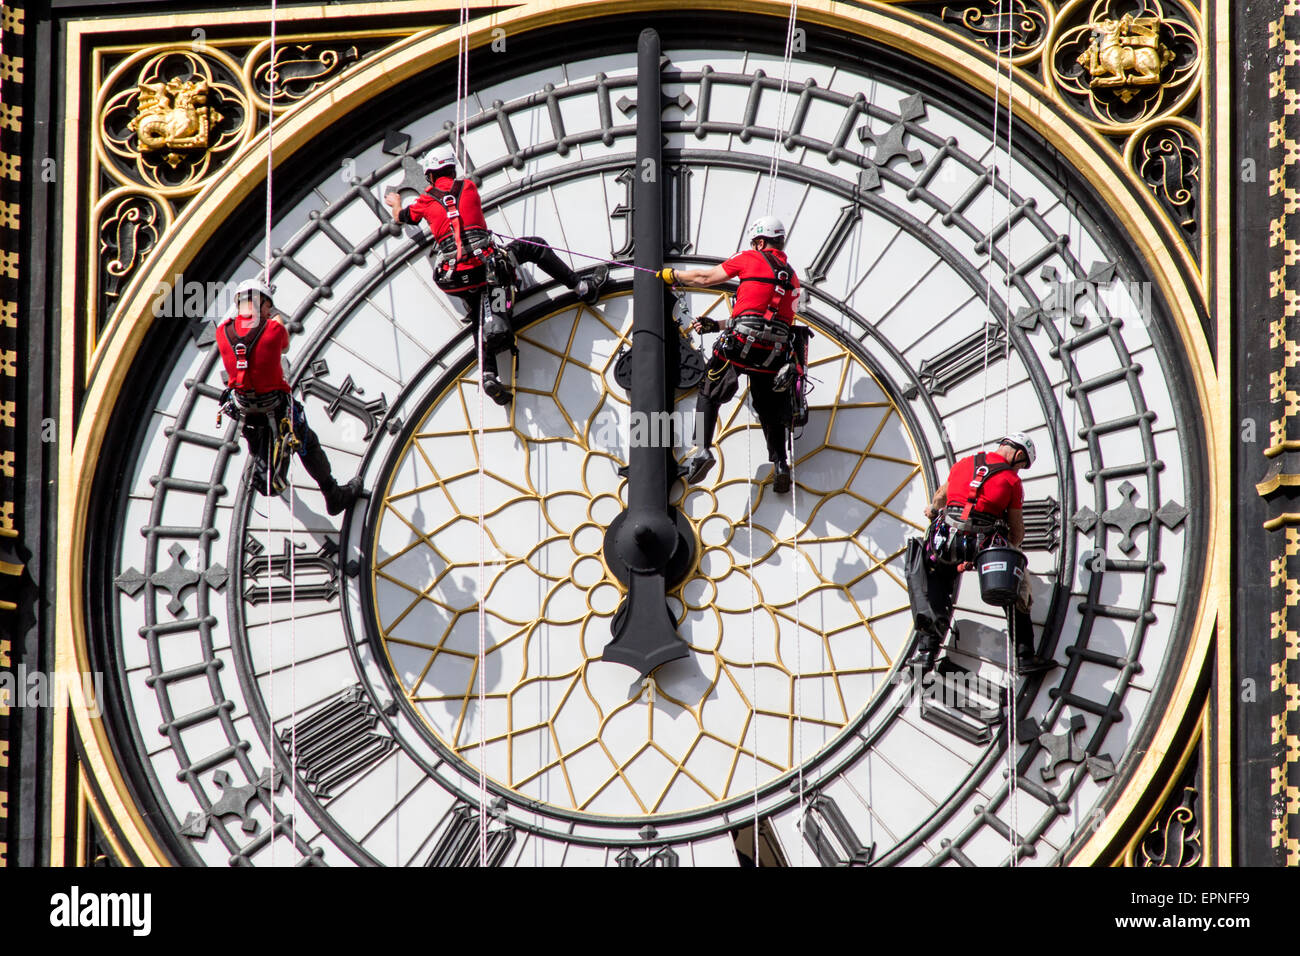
589, 286
1027, 661
337, 499
781, 477
706, 420
495, 389
699, 466
924, 656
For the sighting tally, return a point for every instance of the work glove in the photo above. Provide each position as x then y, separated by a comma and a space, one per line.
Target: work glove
668, 275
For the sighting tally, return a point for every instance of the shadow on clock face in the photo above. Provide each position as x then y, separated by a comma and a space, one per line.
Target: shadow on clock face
794, 611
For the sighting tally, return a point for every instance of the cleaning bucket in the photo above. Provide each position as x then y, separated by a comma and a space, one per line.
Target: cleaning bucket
1000, 570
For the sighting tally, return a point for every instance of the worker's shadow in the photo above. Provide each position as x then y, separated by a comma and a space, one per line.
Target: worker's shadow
453, 671
571, 399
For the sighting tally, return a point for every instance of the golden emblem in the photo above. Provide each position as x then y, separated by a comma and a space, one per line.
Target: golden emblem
1125, 54
173, 116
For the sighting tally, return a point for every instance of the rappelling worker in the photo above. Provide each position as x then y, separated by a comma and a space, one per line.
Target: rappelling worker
758, 340
468, 258
252, 343
981, 505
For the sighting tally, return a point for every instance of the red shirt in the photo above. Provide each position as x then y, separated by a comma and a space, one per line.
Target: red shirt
264, 373
997, 495
431, 209
756, 296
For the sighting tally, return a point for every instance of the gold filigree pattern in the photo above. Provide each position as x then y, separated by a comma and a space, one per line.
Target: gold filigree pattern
1015, 28
1121, 64
1175, 840
168, 117
1167, 157
129, 228
298, 70
819, 644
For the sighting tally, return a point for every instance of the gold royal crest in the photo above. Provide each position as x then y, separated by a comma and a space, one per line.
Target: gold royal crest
173, 116
1126, 54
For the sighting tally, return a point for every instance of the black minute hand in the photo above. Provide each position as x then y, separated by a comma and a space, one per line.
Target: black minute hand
643, 544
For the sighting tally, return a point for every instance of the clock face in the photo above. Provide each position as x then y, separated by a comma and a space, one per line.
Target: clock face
257, 636
761, 691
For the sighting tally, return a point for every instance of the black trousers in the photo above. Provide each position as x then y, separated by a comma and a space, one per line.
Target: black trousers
258, 433
942, 582
530, 249
721, 381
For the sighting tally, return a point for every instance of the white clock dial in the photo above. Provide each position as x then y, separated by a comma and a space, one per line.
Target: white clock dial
759, 692
370, 670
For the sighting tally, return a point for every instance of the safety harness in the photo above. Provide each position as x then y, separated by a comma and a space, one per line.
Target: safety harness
279, 437
959, 533
465, 247
967, 519
243, 346
761, 340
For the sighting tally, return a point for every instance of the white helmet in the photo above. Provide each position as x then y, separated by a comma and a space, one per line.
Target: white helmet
251, 287
1023, 442
767, 227
439, 157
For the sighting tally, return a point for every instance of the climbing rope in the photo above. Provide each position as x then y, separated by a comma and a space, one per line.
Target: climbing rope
1013, 837
1006, 425
774, 167
798, 637
753, 609
458, 133
271, 438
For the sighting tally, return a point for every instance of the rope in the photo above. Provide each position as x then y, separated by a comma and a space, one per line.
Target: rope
270, 148
1014, 838
993, 181
272, 436
772, 174
583, 255
1006, 402
753, 609
270, 619
798, 638
482, 624
293, 654
462, 119
462, 83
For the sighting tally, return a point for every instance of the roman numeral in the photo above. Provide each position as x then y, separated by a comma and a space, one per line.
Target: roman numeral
769, 848
458, 843
677, 212
1042, 525
315, 576
967, 358
830, 836
835, 241
664, 856
955, 702
338, 742
346, 398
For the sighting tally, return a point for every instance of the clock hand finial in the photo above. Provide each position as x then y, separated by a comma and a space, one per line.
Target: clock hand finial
644, 544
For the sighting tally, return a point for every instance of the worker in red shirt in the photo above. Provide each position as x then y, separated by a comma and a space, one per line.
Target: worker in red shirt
465, 250
252, 344
758, 340
981, 504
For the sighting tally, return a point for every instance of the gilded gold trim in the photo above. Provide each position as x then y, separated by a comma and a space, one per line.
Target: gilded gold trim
825, 678
1080, 146
1194, 746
